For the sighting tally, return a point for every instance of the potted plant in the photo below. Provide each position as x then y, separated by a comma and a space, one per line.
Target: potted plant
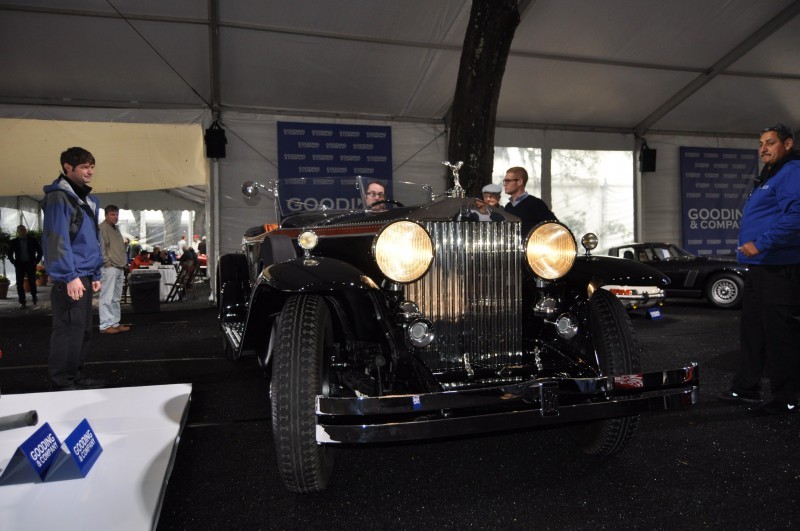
4, 283
41, 275
5, 248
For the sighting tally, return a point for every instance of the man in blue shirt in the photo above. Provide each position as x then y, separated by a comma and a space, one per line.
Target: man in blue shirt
769, 243
74, 261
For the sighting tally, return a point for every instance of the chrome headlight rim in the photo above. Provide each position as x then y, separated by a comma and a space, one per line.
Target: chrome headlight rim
389, 262
557, 250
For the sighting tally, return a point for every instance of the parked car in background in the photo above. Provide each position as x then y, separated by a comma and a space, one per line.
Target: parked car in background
417, 318
719, 279
637, 297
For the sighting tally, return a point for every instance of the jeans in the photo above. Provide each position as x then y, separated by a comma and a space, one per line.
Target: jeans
110, 294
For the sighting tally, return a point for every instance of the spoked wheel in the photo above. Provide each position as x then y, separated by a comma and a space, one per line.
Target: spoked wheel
304, 335
618, 350
725, 291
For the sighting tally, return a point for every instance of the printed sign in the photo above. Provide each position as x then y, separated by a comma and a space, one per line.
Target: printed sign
318, 163
714, 185
83, 446
37, 453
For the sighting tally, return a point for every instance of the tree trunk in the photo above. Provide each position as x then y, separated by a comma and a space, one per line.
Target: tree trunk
487, 42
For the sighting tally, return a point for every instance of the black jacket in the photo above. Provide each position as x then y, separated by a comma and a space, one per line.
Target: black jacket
34, 250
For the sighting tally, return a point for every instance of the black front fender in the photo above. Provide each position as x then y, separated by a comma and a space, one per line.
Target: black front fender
315, 274
609, 270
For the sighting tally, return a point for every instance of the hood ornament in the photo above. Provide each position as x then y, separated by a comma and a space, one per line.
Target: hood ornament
457, 190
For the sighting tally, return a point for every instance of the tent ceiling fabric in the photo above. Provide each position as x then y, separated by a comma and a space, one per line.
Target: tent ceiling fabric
725, 67
134, 156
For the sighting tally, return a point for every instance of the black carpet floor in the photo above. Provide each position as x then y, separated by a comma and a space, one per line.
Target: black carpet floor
711, 467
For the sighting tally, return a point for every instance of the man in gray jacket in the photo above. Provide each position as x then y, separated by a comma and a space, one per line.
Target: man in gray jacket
115, 260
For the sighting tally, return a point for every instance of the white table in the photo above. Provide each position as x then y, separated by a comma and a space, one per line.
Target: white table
168, 277
138, 428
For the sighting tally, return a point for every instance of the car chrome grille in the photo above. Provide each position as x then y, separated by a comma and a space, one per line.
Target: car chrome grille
472, 295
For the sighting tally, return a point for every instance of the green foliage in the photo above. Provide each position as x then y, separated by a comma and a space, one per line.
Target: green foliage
5, 243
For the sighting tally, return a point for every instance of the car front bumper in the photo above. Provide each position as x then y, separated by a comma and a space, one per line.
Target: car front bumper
520, 405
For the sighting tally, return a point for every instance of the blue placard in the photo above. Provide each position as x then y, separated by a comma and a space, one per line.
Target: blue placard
654, 313
714, 185
84, 447
40, 452
318, 163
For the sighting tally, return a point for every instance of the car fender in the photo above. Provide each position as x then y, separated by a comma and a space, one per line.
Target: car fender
300, 275
601, 270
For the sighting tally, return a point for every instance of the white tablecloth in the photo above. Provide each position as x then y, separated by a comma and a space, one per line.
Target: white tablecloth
168, 277
138, 429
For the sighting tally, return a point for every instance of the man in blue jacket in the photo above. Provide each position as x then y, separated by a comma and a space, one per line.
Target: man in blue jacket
74, 259
769, 242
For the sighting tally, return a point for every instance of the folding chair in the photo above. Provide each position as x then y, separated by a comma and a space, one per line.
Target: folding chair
184, 282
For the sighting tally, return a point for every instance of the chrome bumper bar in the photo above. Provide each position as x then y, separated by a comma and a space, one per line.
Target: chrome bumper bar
521, 405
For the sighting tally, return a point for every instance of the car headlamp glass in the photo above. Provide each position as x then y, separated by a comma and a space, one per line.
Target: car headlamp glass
550, 250
308, 240
403, 251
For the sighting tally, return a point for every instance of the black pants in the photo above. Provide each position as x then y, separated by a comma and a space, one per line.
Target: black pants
72, 329
770, 331
22, 269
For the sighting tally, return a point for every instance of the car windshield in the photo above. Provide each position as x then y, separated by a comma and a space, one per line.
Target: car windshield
304, 194
670, 252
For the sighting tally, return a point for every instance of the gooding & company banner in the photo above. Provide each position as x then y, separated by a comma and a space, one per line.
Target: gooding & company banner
714, 185
318, 163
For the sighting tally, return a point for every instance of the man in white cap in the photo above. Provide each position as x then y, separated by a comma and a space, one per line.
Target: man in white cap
491, 195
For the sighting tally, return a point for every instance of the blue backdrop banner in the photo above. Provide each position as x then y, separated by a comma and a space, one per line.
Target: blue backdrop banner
714, 185
318, 163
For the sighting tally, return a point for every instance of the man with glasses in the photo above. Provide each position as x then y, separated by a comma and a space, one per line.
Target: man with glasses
376, 193
769, 243
531, 210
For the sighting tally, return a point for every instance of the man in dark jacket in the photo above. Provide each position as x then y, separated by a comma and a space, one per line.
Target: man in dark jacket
24, 254
531, 210
769, 243
74, 261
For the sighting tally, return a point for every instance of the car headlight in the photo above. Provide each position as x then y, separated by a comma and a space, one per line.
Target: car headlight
550, 250
403, 251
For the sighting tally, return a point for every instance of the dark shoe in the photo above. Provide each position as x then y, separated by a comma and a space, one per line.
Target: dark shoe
742, 397
22, 305
35, 301
774, 407
90, 383
70, 387
122, 328
109, 330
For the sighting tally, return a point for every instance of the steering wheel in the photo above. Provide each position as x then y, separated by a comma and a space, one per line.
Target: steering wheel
386, 202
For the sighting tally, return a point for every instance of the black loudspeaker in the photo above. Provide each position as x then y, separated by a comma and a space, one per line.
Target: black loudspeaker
647, 159
215, 142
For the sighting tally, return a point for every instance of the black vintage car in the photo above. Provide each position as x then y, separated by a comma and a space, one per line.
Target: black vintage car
719, 279
421, 317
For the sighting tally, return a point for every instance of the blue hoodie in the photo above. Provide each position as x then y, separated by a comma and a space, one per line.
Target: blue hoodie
771, 219
82, 257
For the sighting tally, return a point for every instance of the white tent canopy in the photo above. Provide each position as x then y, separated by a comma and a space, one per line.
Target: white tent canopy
581, 72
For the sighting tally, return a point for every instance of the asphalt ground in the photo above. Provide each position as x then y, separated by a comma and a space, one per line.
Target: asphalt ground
711, 467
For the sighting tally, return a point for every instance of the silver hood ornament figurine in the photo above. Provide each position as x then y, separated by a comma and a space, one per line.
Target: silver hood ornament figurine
457, 190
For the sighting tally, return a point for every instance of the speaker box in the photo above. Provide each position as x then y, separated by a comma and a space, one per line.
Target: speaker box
647, 160
215, 142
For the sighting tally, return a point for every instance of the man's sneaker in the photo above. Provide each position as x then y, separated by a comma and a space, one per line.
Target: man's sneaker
743, 397
775, 407
90, 383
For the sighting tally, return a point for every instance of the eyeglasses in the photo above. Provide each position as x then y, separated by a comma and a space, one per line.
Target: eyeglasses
375, 194
506, 181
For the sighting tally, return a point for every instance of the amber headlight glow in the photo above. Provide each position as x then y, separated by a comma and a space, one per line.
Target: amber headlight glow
403, 251
550, 250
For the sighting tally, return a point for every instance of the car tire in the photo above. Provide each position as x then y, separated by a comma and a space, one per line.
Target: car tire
725, 290
305, 333
618, 350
